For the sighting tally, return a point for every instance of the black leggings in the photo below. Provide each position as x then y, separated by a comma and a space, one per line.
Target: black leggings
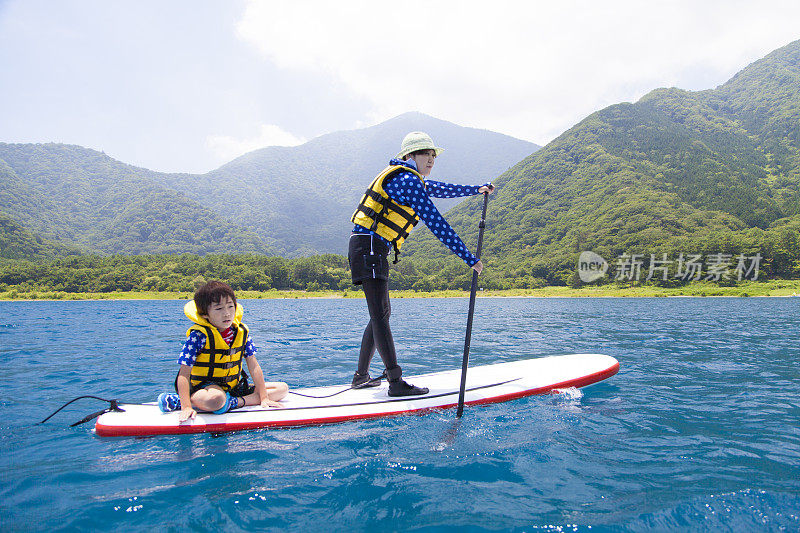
378, 333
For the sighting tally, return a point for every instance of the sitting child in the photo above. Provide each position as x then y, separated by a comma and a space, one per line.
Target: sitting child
210, 376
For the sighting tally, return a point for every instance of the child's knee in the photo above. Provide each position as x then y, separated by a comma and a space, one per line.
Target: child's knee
217, 400
278, 391
210, 399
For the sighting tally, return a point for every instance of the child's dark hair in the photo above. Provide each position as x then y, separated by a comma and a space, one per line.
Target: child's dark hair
211, 292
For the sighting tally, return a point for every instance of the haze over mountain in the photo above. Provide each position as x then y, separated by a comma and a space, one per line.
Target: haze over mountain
287, 200
715, 171
300, 199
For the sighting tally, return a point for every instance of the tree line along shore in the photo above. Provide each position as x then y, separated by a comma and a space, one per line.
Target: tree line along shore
259, 276
773, 288
119, 274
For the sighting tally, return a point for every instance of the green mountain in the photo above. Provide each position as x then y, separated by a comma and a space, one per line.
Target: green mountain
293, 201
300, 199
678, 172
708, 172
17, 242
79, 197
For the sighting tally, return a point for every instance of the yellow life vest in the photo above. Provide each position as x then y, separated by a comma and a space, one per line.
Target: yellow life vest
379, 213
217, 362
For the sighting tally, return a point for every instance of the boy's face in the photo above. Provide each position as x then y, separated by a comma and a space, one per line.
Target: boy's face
221, 313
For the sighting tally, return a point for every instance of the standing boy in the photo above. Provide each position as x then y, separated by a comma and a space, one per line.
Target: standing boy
394, 202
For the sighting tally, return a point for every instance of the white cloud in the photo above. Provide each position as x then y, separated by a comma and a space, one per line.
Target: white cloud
530, 69
227, 148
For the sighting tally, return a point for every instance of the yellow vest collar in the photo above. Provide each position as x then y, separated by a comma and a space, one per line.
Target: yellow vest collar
190, 310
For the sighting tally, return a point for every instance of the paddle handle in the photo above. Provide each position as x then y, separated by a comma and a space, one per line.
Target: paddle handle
472, 294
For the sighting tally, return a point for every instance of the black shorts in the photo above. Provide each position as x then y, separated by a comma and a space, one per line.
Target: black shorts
242, 388
368, 257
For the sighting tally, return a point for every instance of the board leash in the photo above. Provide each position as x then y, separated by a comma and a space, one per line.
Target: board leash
113, 406
351, 387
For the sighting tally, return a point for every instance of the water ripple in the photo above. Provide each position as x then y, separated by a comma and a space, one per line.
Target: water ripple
698, 431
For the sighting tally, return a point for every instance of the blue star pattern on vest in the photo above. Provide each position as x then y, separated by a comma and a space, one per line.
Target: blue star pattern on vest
407, 189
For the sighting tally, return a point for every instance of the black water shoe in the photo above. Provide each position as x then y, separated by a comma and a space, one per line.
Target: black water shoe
363, 381
401, 388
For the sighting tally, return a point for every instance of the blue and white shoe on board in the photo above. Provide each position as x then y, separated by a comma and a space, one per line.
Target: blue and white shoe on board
169, 401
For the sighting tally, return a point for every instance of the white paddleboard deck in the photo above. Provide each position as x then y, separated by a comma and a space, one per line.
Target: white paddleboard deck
485, 384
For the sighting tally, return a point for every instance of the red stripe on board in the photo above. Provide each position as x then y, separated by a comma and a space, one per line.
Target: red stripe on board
145, 431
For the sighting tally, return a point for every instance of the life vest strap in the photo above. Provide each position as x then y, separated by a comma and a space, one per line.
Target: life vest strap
399, 208
222, 380
379, 218
206, 369
221, 351
375, 209
211, 364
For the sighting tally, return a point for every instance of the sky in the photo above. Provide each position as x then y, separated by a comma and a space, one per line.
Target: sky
187, 85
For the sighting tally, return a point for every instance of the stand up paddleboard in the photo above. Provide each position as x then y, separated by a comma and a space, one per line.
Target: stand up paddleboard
485, 384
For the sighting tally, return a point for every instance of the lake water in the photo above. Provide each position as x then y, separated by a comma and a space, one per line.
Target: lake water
699, 430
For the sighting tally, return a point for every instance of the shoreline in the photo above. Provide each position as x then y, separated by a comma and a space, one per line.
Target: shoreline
774, 288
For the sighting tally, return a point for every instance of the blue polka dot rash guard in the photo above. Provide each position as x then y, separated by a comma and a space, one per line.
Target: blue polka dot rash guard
405, 188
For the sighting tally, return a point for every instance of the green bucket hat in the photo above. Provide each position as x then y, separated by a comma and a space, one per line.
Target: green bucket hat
417, 140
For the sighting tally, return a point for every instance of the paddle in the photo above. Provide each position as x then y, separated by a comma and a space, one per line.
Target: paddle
472, 294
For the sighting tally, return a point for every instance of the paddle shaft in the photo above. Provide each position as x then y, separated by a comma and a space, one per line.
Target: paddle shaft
473, 293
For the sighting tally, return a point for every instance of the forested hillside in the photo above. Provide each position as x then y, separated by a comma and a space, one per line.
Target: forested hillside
169, 272
79, 197
300, 199
18, 243
708, 172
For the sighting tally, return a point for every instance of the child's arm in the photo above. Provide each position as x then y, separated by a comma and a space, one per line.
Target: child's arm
188, 356
183, 391
258, 381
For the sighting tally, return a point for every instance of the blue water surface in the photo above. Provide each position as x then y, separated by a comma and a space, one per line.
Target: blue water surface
699, 430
